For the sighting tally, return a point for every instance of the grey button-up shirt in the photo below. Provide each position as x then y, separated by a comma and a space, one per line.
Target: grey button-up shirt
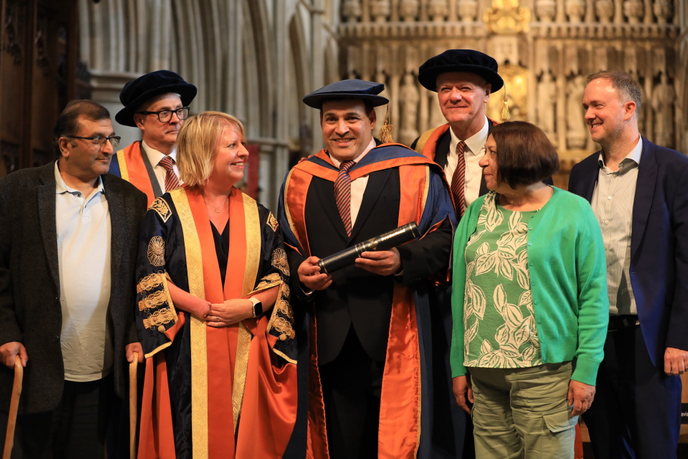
612, 202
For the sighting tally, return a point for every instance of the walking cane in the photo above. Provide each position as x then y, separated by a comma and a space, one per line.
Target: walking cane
132, 405
14, 406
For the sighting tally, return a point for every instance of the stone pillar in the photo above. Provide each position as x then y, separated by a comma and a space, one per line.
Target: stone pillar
106, 87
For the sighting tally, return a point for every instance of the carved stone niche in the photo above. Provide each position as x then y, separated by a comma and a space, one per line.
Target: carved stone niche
604, 10
575, 10
409, 97
545, 10
633, 10
662, 101
438, 9
380, 10
351, 10
408, 10
663, 11
576, 133
468, 10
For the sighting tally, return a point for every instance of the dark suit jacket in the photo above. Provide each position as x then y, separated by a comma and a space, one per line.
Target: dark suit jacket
659, 243
442, 151
30, 310
357, 297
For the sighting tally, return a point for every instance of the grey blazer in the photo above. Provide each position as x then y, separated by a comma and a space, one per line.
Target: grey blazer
30, 310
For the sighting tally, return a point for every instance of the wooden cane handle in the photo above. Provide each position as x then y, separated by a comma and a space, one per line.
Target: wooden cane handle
14, 407
132, 405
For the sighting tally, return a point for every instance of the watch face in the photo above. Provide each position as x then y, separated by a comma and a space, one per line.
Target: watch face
257, 308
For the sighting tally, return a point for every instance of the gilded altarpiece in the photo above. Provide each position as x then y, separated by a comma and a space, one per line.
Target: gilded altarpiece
545, 49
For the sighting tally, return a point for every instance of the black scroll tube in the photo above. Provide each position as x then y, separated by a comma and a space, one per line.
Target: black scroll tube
386, 241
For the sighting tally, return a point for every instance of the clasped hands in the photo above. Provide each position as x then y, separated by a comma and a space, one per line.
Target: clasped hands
228, 312
383, 263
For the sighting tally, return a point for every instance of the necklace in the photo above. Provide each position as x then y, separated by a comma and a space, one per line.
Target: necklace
217, 209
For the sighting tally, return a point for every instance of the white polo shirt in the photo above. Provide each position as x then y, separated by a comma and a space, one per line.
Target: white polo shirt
83, 250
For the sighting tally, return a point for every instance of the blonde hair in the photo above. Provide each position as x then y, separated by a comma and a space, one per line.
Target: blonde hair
196, 144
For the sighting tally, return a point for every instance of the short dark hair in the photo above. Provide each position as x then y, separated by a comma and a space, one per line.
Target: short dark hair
622, 82
68, 122
524, 153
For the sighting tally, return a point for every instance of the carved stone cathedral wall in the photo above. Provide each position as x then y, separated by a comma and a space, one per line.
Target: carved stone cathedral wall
254, 59
257, 58
545, 49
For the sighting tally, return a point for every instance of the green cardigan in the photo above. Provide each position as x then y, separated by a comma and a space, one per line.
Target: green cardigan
568, 278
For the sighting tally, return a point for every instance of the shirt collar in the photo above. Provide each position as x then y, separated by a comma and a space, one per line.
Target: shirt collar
475, 143
61, 187
154, 156
370, 146
632, 157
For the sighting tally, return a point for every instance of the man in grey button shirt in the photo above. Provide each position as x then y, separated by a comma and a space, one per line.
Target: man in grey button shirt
68, 234
639, 192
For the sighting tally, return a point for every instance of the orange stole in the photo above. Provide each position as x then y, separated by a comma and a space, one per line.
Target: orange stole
156, 434
232, 367
431, 143
400, 405
578, 443
133, 170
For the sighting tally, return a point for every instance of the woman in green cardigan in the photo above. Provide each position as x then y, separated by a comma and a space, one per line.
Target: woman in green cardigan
529, 302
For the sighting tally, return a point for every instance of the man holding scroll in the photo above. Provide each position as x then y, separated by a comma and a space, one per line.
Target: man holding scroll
370, 391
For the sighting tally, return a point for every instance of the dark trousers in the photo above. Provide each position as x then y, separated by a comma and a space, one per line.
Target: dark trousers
76, 428
352, 385
637, 409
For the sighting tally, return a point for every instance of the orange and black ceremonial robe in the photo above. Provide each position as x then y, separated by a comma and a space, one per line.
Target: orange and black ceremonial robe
391, 318
132, 165
214, 392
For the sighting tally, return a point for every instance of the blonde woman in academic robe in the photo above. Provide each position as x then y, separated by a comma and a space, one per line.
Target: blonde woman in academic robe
213, 309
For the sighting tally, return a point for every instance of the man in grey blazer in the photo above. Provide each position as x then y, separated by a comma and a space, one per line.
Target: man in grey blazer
68, 233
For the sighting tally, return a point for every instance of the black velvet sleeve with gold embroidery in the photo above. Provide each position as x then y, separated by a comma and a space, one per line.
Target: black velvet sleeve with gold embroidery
160, 257
274, 270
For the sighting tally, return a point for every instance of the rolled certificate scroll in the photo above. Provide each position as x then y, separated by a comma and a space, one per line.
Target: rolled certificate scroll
386, 241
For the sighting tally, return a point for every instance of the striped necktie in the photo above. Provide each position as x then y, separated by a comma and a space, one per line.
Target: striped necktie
342, 194
458, 184
171, 179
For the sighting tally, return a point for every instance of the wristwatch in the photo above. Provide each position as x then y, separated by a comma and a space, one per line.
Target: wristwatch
257, 306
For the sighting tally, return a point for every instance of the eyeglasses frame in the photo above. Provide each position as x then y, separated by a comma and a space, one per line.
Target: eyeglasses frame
117, 139
175, 111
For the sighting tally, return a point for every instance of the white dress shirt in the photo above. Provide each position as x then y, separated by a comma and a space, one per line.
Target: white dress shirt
154, 156
473, 154
358, 185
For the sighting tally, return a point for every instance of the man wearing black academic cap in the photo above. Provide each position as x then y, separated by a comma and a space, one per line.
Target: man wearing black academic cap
157, 103
370, 390
463, 80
